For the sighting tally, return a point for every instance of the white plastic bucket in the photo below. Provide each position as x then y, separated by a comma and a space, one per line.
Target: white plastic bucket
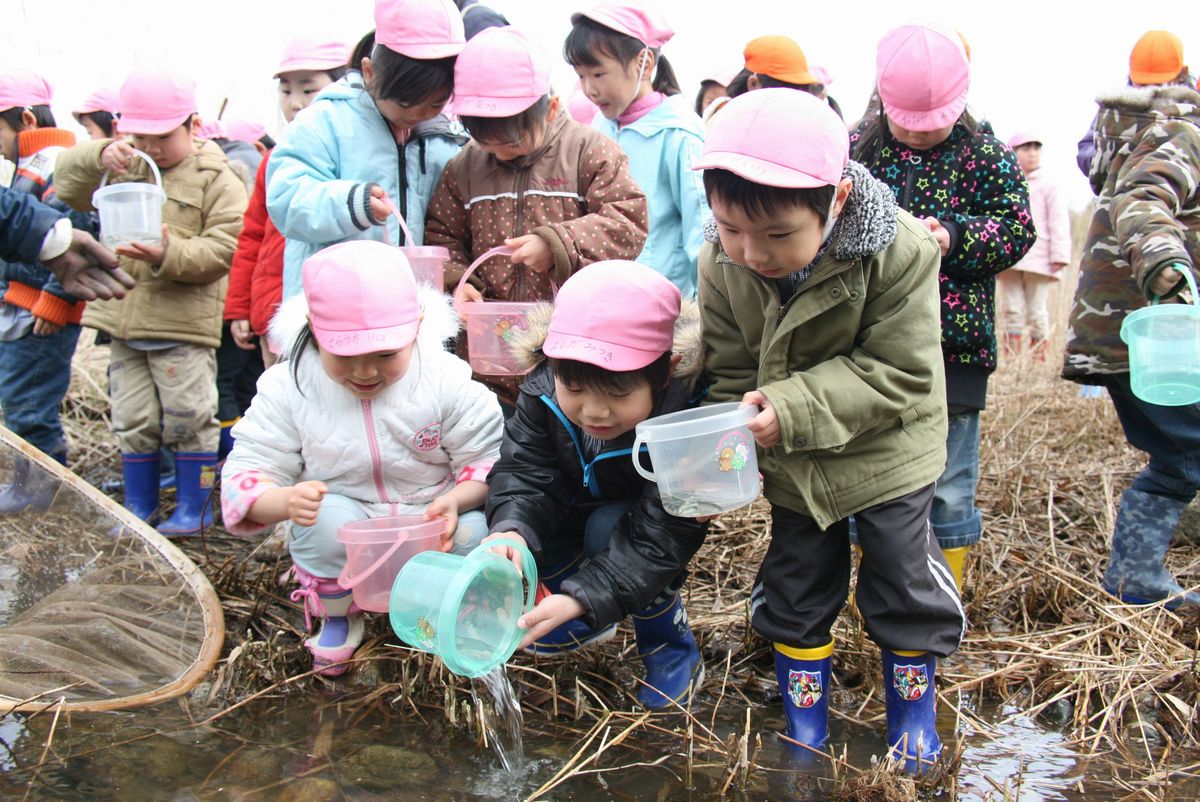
704, 458
130, 211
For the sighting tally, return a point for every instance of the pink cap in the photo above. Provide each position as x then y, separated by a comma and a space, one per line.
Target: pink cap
821, 74
154, 100
20, 88
243, 130
420, 29
313, 52
579, 107
616, 315
100, 100
777, 137
501, 72
362, 298
632, 18
211, 129
923, 75
1023, 137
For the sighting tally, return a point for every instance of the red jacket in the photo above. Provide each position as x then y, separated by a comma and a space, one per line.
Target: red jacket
256, 276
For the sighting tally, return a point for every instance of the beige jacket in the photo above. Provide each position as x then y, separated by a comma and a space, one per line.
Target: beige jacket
183, 298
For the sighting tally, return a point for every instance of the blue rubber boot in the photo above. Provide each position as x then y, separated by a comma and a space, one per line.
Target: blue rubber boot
1137, 572
574, 634
911, 700
195, 473
31, 489
674, 669
803, 676
141, 484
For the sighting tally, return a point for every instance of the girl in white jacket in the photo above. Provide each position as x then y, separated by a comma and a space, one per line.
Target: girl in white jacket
377, 419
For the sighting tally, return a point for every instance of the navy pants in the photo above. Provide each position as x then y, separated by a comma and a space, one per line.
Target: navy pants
34, 374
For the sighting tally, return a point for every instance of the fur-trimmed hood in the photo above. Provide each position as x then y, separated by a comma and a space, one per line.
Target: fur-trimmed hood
866, 225
688, 344
439, 321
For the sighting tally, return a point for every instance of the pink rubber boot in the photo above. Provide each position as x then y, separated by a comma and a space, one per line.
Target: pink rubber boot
340, 620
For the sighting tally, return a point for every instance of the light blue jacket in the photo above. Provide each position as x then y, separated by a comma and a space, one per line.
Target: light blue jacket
662, 146
317, 178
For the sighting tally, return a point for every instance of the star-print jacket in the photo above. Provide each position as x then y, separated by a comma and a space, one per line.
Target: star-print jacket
973, 185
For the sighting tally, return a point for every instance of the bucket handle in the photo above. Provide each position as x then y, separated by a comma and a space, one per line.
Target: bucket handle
149, 161
1191, 282
638, 443
499, 250
528, 565
394, 212
349, 583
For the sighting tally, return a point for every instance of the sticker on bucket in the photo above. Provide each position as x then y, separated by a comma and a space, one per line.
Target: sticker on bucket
733, 452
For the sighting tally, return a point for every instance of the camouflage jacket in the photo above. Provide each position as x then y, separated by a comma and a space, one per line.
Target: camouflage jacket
1146, 173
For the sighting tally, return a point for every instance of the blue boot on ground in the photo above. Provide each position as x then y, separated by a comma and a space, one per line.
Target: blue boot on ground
911, 701
674, 669
1137, 572
195, 473
803, 676
140, 473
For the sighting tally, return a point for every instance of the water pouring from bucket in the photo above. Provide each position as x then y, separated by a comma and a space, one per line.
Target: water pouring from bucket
1164, 350
130, 212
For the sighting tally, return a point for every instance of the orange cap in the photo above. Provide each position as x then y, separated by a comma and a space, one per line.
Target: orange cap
1156, 58
780, 58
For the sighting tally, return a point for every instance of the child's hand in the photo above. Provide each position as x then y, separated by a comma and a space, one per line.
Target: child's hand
550, 612
469, 292
1165, 281
44, 328
304, 502
532, 251
243, 335
765, 425
145, 252
381, 206
506, 551
117, 156
444, 506
939, 233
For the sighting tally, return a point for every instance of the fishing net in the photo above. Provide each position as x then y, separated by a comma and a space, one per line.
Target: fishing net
97, 610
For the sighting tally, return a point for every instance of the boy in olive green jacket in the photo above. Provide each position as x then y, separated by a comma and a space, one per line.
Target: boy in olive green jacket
819, 300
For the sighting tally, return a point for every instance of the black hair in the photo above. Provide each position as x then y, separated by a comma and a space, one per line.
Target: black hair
103, 120
588, 39
506, 130
705, 85
587, 376
42, 116
266, 141
407, 80
738, 86
760, 200
870, 141
361, 51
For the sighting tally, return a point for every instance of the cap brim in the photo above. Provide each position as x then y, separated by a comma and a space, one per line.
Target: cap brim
315, 66
932, 120
760, 171
356, 343
150, 127
490, 107
596, 352
426, 52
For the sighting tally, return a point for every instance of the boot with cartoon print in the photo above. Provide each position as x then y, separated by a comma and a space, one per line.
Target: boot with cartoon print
803, 676
1137, 573
340, 625
911, 701
674, 669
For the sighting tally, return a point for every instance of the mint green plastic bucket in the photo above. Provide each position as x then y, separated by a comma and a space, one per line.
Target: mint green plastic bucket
1164, 350
464, 609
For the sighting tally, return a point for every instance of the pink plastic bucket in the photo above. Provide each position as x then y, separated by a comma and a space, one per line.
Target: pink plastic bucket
376, 550
428, 262
491, 325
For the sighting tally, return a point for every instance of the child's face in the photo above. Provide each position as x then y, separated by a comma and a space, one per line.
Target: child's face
604, 415
612, 85
367, 375
529, 142
8, 135
299, 88
773, 246
168, 149
919, 140
1029, 156
402, 115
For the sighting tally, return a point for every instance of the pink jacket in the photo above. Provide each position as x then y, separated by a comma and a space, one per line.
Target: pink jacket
1049, 207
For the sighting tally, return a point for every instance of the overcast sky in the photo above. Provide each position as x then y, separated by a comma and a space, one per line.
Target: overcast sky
1039, 67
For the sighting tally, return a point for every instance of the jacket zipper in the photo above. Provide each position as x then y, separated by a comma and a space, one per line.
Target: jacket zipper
400, 149
519, 228
910, 175
376, 462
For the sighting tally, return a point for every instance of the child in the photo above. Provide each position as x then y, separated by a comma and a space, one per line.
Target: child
565, 483
819, 303
557, 192
39, 320
309, 64
1145, 230
966, 187
614, 49
371, 139
1025, 287
162, 367
97, 114
376, 419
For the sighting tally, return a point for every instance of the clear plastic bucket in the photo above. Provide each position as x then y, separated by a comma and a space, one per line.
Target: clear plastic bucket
428, 263
704, 458
491, 325
464, 609
376, 550
1164, 350
130, 211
